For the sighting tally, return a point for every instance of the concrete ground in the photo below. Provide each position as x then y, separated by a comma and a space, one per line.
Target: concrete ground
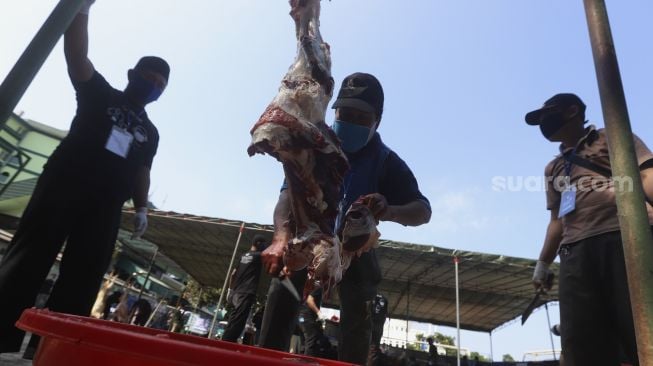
16, 359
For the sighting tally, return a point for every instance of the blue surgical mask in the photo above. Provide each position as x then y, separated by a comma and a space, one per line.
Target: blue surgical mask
352, 136
142, 90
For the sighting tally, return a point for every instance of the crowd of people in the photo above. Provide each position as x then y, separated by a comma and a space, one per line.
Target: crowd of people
106, 158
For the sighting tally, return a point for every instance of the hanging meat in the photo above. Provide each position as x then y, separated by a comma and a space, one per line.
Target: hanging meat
359, 231
292, 129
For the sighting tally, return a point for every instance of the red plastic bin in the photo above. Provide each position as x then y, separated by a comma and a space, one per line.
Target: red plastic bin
69, 340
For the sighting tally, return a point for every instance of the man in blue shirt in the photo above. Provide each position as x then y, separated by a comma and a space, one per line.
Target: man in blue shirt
380, 175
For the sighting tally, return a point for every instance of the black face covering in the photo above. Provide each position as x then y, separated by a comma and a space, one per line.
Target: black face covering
551, 123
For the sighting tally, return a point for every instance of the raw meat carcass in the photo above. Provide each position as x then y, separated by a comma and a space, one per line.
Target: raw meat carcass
293, 130
359, 232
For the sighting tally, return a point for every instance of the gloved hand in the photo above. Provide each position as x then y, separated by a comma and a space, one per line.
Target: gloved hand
86, 7
320, 317
541, 274
140, 222
229, 295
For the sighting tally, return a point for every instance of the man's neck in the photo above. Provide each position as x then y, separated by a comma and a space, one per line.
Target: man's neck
571, 140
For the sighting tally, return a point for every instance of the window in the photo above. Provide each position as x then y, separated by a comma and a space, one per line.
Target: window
4, 177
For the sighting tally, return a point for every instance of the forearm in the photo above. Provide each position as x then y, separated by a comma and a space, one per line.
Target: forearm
647, 184
80, 67
142, 188
411, 214
310, 302
551, 241
281, 217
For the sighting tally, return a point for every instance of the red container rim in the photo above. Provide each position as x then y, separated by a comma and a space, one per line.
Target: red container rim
132, 340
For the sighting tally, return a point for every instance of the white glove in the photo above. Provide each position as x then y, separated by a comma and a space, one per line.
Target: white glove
540, 273
320, 317
86, 7
140, 222
229, 294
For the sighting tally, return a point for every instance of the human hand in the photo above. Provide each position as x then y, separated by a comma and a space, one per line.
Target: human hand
378, 204
86, 7
140, 222
320, 317
541, 276
272, 256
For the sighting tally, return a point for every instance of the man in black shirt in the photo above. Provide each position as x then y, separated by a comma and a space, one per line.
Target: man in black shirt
379, 313
104, 161
310, 322
242, 289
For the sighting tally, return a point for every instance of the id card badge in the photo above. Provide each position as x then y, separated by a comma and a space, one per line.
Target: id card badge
568, 200
119, 142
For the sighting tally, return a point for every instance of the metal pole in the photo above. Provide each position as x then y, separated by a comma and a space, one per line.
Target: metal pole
29, 63
149, 271
491, 350
407, 309
548, 320
633, 219
197, 304
455, 261
226, 278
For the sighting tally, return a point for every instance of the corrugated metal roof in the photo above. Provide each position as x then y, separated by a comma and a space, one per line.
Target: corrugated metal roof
19, 189
418, 280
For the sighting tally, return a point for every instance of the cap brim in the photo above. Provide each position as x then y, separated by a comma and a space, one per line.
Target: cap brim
353, 103
533, 117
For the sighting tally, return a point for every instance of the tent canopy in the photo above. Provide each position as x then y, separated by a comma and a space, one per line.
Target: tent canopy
418, 280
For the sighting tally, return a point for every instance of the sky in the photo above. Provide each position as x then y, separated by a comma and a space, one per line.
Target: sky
458, 78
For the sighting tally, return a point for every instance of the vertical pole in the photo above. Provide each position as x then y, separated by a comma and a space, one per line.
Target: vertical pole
197, 304
633, 219
149, 271
455, 261
548, 320
226, 278
491, 350
407, 310
29, 63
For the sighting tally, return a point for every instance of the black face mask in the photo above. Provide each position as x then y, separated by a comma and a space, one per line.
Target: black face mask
552, 123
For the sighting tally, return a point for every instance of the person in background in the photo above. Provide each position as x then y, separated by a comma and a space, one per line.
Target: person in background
584, 230
242, 289
379, 313
311, 321
104, 161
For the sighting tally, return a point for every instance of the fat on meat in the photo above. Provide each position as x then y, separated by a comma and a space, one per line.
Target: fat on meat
293, 130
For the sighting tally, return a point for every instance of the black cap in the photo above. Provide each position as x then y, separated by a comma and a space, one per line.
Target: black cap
361, 91
559, 101
260, 242
153, 63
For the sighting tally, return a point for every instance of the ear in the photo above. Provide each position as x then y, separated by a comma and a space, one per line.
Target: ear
571, 112
130, 74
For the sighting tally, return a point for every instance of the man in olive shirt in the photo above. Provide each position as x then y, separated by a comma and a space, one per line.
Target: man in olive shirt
584, 229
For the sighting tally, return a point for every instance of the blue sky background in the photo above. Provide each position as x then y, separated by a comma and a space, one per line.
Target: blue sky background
458, 78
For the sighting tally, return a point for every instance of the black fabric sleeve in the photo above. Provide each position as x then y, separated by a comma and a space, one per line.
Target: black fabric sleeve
398, 184
91, 93
154, 146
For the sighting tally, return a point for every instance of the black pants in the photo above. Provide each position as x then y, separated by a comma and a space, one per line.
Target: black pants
312, 330
374, 357
57, 212
595, 316
280, 314
355, 322
238, 316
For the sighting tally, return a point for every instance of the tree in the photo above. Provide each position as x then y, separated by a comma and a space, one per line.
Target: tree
209, 295
508, 358
473, 355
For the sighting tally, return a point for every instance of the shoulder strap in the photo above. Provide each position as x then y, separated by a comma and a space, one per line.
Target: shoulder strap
577, 160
